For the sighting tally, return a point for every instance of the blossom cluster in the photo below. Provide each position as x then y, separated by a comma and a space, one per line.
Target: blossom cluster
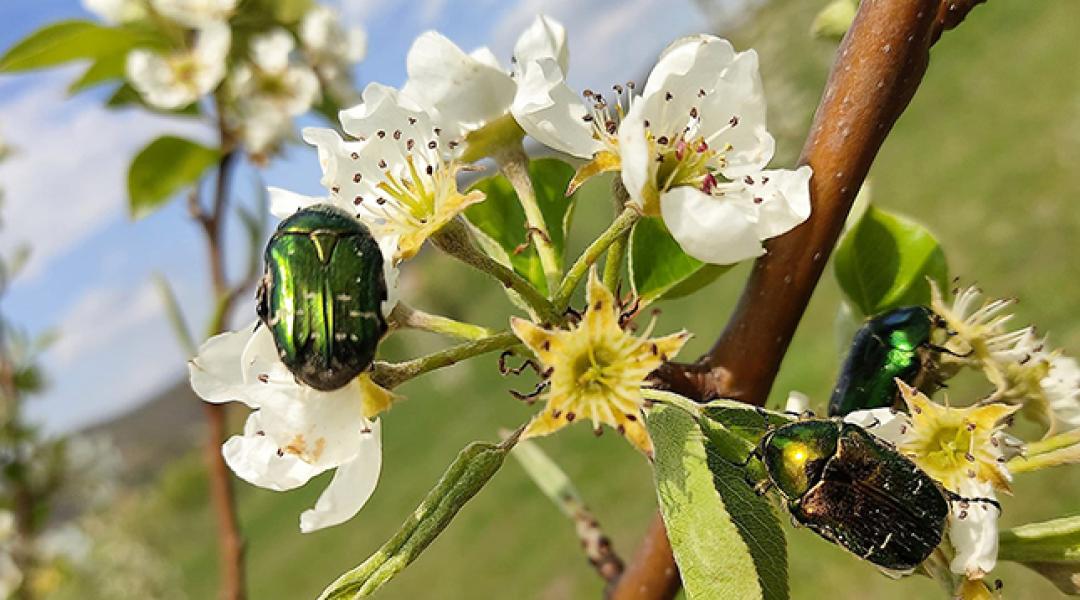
691, 148
278, 73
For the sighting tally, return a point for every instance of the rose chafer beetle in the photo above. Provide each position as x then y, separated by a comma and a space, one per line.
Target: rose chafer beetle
855, 490
894, 344
321, 296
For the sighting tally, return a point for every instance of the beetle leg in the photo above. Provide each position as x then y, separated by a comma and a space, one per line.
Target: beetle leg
964, 501
528, 364
762, 487
944, 350
531, 397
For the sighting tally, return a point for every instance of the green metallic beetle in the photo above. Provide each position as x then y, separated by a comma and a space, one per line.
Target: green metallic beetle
894, 344
855, 490
322, 294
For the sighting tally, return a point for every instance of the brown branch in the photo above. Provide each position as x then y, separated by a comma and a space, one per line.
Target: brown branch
222, 496
879, 65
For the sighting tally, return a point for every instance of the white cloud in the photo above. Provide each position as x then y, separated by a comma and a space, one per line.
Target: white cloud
101, 317
66, 178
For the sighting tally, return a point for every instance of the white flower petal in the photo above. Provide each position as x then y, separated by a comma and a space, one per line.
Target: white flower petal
270, 51
785, 199
638, 168
283, 203
459, 88
352, 485
257, 459
1062, 388
484, 55
195, 13
713, 230
215, 372
975, 536
797, 403
549, 111
885, 423
384, 109
545, 38
116, 11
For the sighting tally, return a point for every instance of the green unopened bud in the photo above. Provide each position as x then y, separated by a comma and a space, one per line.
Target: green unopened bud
1050, 548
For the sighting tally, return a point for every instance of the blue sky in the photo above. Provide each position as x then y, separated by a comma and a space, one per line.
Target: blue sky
64, 190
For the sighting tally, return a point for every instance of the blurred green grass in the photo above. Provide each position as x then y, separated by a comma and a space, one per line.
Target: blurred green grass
985, 156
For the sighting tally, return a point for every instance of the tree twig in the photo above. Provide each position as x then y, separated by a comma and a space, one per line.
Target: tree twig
879, 65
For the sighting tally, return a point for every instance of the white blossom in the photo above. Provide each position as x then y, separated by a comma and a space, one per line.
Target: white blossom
692, 147
269, 91
466, 91
1062, 388
116, 11
195, 13
178, 79
294, 432
400, 178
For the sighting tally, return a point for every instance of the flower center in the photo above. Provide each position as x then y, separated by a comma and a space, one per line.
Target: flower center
949, 450
593, 369
605, 117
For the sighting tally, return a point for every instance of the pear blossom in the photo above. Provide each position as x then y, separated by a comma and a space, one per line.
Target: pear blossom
1062, 387
332, 50
294, 432
691, 148
400, 178
964, 450
116, 11
178, 79
270, 91
195, 13
596, 368
467, 91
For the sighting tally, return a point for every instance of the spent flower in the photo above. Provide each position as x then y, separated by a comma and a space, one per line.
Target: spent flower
596, 368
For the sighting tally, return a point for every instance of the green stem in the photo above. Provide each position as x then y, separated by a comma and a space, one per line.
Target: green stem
615, 254
406, 317
390, 375
620, 226
514, 164
454, 240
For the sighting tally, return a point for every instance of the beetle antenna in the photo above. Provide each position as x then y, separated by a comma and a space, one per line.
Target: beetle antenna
529, 363
944, 350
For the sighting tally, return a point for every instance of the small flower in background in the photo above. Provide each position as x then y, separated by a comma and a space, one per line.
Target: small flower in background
178, 79
1062, 387
400, 179
269, 91
295, 432
466, 92
596, 368
332, 50
117, 11
195, 13
691, 148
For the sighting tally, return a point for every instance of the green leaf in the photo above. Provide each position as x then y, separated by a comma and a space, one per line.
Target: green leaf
726, 539
107, 68
884, 261
659, 269
466, 476
163, 168
66, 41
502, 220
1050, 548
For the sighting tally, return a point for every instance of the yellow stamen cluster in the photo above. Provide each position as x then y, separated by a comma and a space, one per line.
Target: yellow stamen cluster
956, 445
596, 369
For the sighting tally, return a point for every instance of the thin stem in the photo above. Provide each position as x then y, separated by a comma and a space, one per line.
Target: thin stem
406, 317
614, 260
454, 240
390, 375
514, 164
577, 271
